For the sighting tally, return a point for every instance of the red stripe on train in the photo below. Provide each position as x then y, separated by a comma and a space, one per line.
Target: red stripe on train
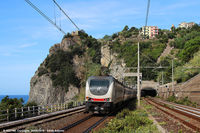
94, 99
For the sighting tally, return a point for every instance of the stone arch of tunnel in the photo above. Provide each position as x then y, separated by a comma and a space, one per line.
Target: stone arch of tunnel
148, 91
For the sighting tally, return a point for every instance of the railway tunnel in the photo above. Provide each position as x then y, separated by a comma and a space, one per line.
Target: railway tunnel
149, 88
148, 91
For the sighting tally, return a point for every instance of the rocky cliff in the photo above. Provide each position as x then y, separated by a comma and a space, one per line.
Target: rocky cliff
110, 60
61, 75
42, 90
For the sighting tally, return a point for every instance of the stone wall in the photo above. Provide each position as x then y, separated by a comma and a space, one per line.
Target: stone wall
190, 88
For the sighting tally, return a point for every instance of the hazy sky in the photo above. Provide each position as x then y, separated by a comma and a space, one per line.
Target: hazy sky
25, 36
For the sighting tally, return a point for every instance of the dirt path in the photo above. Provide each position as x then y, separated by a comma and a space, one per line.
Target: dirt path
166, 51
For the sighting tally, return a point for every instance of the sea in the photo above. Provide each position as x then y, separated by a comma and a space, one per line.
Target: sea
25, 97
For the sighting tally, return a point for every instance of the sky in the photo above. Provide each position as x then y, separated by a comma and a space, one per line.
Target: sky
25, 36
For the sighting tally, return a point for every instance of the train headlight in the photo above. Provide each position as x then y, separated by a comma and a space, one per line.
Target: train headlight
88, 98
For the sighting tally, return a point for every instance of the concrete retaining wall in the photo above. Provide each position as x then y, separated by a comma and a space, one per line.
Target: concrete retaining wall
190, 88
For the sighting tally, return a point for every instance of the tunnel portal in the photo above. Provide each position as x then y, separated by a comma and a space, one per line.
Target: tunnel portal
148, 91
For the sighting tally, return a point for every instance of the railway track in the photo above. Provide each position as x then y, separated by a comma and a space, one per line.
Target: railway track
85, 125
89, 123
187, 115
22, 124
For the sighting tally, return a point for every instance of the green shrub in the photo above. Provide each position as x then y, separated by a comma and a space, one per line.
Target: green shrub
93, 69
70, 104
10, 104
183, 101
171, 98
31, 104
190, 48
130, 121
61, 66
42, 71
88, 42
184, 73
67, 36
107, 38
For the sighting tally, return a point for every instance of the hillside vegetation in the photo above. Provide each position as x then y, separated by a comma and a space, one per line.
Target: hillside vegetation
185, 54
185, 43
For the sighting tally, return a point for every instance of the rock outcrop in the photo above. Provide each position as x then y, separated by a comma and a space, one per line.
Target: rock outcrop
42, 90
109, 59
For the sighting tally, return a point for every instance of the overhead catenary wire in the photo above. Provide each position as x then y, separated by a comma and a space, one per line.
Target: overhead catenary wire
60, 19
147, 15
54, 13
66, 15
47, 18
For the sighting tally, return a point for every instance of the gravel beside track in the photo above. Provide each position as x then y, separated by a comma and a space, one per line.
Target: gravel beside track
179, 113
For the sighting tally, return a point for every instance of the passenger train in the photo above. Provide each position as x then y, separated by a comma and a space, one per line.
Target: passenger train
104, 93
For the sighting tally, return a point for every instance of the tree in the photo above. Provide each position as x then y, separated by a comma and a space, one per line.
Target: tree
125, 29
114, 36
133, 29
164, 38
190, 47
107, 38
171, 35
11, 103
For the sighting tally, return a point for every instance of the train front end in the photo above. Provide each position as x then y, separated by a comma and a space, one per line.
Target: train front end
98, 94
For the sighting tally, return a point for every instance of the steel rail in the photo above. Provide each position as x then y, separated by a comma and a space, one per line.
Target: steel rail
76, 123
51, 119
36, 119
68, 127
187, 109
164, 107
95, 125
182, 111
192, 108
101, 120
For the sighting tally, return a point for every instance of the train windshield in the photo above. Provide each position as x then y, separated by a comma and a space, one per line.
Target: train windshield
99, 87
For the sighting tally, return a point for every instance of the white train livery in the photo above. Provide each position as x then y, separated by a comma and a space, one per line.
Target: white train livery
104, 93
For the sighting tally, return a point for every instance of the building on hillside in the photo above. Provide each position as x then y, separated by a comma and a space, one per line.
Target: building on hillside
75, 33
186, 25
150, 31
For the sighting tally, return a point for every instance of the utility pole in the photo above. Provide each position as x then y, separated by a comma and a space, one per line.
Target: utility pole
138, 76
162, 78
173, 76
